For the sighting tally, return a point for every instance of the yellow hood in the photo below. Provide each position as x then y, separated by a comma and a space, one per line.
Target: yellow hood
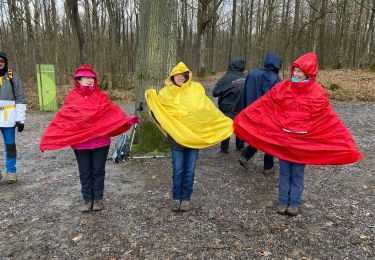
179, 68
187, 114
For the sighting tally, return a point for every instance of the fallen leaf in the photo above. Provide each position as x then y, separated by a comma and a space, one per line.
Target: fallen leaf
264, 252
77, 238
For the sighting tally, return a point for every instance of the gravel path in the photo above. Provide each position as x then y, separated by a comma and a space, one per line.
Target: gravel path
233, 214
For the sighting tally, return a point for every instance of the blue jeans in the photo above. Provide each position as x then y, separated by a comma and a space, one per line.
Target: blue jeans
9, 138
184, 162
91, 166
291, 183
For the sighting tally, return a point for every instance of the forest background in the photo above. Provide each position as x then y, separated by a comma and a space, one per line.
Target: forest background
207, 33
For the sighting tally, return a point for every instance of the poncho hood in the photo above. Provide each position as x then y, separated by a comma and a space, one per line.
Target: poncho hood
237, 64
308, 63
272, 62
179, 68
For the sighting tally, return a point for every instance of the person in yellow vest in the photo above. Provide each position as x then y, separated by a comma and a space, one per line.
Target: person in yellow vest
191, 121
12, 114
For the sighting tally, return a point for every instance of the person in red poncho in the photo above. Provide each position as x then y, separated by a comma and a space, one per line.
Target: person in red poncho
86, 122
296, 123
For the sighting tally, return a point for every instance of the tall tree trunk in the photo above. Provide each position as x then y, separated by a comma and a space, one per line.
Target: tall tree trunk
157, 44
30, 35
201, 24
357, 40
76, 22
211, 59
369, 35
340, 36
156, 55
250, 35
295, 30
233, 29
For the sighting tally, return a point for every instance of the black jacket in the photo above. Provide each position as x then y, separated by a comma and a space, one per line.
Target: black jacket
229, 89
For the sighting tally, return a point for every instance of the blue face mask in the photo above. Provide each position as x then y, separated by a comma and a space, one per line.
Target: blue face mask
294, 79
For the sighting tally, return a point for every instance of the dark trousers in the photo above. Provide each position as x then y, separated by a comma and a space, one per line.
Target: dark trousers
225, 145
251, 151
91, 166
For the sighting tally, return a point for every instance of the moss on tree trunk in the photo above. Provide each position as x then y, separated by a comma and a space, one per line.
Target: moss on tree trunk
149, 140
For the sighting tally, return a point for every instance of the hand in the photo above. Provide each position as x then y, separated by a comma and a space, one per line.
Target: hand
20, 126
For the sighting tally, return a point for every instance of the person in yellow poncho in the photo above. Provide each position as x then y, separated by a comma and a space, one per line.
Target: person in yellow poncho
190, 121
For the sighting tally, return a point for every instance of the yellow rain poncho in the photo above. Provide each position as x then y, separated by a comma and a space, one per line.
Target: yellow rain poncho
187, 114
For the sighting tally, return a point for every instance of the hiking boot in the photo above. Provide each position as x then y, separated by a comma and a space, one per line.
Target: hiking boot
270, 171
11, 178
185, 205
176, 205
87, 206
247, 164
293, 211
281, 209
244, 163
98, 205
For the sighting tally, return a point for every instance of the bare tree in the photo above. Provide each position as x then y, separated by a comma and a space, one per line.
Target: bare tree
74, 16
107, 33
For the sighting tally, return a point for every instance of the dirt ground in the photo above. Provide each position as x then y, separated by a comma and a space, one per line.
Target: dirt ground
233, 210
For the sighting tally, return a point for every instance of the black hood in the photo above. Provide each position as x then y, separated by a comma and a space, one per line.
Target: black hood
272, 62
237, 65
5, 69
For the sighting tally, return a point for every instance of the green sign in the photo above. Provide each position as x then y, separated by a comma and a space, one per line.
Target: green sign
46, 87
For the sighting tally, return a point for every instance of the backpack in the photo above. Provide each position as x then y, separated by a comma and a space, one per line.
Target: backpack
124, 145
10, 77
122, 148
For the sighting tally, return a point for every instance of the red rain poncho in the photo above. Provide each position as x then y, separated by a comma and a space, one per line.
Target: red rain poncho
84, 116
295, 122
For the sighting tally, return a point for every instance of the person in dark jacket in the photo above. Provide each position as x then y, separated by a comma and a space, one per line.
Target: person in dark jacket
229, 90
12, 114
259, 82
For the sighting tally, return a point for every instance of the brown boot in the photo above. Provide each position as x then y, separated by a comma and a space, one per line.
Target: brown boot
281, 209
293, 211
87, 206
11, 178
185, 205
98, 205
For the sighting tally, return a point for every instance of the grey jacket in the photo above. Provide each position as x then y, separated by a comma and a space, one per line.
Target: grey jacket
12, 96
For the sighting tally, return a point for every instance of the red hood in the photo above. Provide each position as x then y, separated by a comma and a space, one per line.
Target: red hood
308, 63
84, 67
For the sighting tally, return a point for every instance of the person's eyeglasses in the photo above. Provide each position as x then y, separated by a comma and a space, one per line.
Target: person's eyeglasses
2, 61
